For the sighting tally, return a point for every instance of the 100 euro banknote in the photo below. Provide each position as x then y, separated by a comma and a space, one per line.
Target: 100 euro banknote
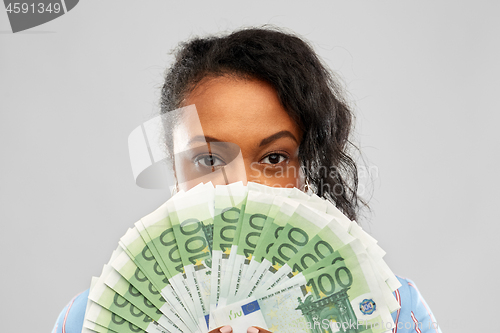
323, 300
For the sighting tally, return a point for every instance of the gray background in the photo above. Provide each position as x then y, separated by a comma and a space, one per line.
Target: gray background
423, 78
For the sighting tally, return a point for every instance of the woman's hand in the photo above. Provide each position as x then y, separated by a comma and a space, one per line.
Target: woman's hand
222, 329
255, 329
229, 329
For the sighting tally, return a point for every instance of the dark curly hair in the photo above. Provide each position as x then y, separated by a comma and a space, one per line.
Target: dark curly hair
305, 87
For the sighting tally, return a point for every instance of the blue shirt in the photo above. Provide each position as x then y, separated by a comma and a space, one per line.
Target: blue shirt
413, 316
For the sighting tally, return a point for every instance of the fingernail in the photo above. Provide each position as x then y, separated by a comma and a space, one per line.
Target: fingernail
226, 329
252, 329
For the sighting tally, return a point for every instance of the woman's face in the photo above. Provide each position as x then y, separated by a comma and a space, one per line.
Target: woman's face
245, 135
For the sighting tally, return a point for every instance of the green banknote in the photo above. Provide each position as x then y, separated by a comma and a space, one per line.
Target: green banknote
105, 318
245, 256
192, 222
226, 279
130, 272
121, 286
374, 250
274, 225
275, 222
133, 244
326, 241
128, 269
254, 225
342, 296
333, 237
303, 224
229, 200
89, 326
117, 304
370, 243
159, 234
257, 208
355, 247
269, 233
376, 254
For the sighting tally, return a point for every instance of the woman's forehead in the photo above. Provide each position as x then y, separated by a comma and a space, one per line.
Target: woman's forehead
235, 110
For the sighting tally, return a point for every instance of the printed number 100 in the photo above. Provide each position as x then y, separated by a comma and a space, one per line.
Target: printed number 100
326, 282
40, 8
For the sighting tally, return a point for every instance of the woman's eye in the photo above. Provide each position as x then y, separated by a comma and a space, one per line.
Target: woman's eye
274, 159
208, 161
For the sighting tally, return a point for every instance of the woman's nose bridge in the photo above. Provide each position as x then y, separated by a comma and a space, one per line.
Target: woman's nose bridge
236, 170
241, 170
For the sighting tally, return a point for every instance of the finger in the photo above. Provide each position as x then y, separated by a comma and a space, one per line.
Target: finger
256, 329
222, 329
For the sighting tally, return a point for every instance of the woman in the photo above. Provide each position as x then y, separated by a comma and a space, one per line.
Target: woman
298, 84
267, 93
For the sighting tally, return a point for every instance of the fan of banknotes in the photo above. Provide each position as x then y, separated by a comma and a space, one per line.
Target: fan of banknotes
244, 255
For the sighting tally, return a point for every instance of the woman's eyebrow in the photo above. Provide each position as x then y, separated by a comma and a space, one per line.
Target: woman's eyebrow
269, 139
276, 136
202, 138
